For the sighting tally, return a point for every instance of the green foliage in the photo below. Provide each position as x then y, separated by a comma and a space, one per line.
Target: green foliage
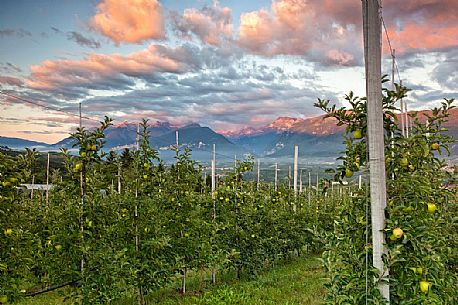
122, 225
419, 204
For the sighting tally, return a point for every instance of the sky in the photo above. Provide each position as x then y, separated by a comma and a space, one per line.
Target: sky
224, 64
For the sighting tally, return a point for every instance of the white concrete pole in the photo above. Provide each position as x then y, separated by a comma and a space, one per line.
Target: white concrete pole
376, 142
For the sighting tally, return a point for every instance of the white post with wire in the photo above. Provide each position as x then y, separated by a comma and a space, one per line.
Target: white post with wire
376, 143
47, 183
296, 156
176, 139
214, 199
259, 173
276, 175
214, 171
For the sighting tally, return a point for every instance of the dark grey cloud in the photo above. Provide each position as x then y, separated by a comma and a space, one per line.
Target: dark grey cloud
212, 98
83, 41
7, 67
431, 98
28, 132
56, 30
5, 32
11, 81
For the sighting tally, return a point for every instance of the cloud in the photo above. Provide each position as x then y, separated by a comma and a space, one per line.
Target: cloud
446, 72
100, 71
302, 28
69, 78
330, 33
12, 81
228, 97
129, 21
211, 25
14, 32
8, 67
56, 30
83, 41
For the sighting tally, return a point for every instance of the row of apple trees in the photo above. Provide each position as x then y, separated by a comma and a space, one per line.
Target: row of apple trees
117, 226
421, 213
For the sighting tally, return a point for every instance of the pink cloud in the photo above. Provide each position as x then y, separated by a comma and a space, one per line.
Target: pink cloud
299, 27
422, 25
129, 21
211, 25
421, 37
330, 31
52, 74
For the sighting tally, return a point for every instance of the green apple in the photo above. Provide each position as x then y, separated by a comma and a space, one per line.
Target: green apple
78, 166
404, 162
357, 134
424, 286
397, 233
432, 208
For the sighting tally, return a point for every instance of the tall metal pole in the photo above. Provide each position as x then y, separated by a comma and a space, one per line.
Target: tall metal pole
376, 142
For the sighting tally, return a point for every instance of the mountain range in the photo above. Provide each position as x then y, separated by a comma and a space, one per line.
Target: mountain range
316, 137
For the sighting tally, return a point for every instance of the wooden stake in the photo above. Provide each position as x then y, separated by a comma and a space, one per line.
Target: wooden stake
376, 143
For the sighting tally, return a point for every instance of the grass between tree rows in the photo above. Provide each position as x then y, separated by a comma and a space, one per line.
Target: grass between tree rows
292, 283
